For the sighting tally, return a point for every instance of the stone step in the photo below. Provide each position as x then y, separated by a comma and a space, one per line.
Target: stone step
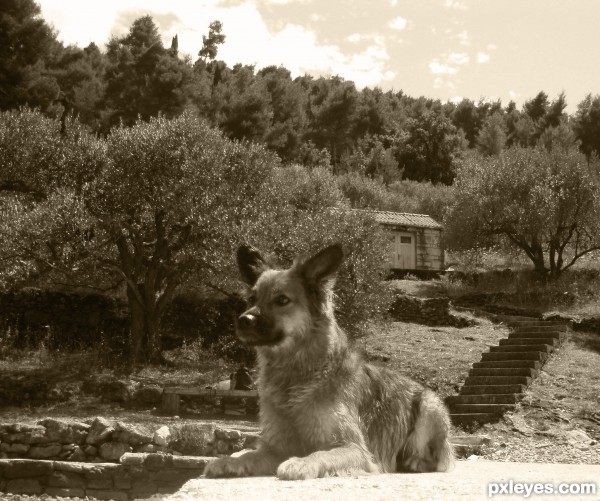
511, 355
512, 371
502, 364
488, 389
481, 418
542, 334
529, 340
540, 331
523, 348
482, 408
539, 323
496, 380
500, 398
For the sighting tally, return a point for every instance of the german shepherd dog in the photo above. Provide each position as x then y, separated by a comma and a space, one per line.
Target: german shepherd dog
324, 411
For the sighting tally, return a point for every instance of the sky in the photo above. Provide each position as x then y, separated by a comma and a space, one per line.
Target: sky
442, 49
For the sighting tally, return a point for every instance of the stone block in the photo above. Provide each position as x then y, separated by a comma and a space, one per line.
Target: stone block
25, 468
146, 448
224, 434
24, 486
108, 495
65, 492
131, 434
90, 450
66, 479
157, 461
44, 451
73, 467
162, 436
122, 480
18, 448
101, 431
26, 434
99, 478
191, 462
58, 430
78, 455
133, 459
112, 451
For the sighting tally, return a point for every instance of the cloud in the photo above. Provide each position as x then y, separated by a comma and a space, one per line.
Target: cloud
482, 58
455, 4
438, 68
398, 23
458, 58
463, 37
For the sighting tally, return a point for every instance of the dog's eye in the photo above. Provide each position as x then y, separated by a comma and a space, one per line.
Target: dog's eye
251, 299
282, 300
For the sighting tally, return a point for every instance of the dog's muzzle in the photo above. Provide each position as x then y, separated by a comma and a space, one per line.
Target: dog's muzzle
254, 329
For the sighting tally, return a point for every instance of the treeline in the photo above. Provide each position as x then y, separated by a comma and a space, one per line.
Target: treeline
387, 136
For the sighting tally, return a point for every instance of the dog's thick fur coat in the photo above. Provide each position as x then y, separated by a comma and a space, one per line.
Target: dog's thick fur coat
323, 410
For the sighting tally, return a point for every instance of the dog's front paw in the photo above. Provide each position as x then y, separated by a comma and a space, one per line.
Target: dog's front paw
226, 467
298, 469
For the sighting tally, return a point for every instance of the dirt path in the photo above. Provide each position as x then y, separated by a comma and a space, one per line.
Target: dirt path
469, 480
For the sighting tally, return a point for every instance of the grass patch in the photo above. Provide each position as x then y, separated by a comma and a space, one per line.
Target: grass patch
438, 357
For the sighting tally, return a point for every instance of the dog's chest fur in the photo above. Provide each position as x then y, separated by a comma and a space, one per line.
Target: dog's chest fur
303, 409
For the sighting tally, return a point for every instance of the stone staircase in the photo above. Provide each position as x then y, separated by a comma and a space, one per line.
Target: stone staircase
497, 383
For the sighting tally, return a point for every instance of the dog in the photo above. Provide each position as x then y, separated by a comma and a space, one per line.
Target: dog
323, 410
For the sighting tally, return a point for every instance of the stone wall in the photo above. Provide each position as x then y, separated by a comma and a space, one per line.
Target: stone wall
135, 476
102, 440
427, 311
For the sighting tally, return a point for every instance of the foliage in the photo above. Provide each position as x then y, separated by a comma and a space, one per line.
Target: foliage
143, 78
587, 124
545, 202
428, 148
27, 47
211, 42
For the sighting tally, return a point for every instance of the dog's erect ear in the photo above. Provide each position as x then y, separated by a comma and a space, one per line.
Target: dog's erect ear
323, 265
250, 263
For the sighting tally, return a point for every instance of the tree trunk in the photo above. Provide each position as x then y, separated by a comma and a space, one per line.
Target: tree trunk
136, 328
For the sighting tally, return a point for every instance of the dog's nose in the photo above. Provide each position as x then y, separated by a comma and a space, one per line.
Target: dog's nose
247, 320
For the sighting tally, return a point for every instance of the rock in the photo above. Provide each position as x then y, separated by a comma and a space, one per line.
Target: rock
100, 431
66, 479
190, 462
130, 434
4, 447
578, 438
145, 448
162, 436
78, 454
90, 450
18, 448
26, 434
112, 451
133, 459
64, 432
224, 434
44, 451
24, 486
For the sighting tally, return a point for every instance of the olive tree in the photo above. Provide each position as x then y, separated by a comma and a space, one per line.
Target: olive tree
543, 201
148, 207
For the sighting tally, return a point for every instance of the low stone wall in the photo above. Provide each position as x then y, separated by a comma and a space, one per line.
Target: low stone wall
426, 311
102, 440
136, 476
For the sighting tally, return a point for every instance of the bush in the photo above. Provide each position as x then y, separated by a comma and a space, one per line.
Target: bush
288, 230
